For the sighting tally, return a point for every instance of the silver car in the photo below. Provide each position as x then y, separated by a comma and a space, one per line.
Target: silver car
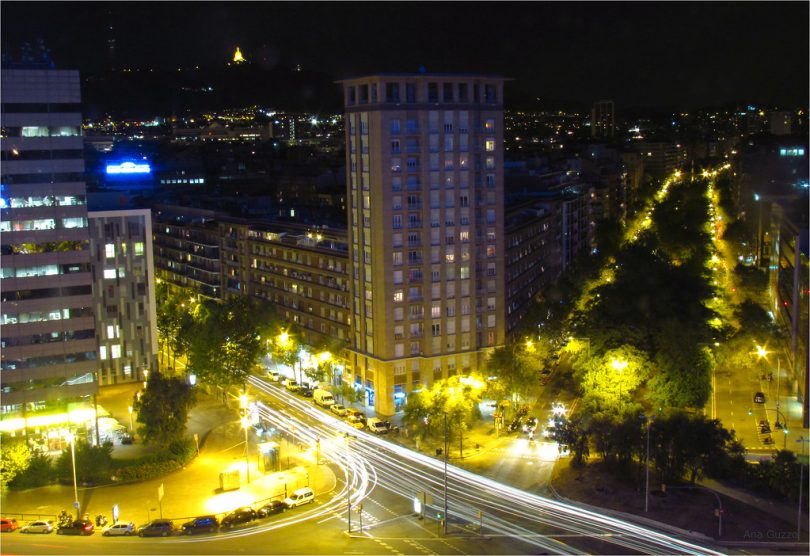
119, 529
37, 527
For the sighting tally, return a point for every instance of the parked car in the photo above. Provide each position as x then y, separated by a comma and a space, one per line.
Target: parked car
78, 527
37, 527
306, 392
274, 376
338, 410
8, 525
354, 421
156, 528
272, 507
238, 517
377, 425
357, 414
759, 397
119, 529
300, 497
203, 524
290, 384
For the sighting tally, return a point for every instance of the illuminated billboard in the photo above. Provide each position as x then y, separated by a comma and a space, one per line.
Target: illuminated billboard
129, 167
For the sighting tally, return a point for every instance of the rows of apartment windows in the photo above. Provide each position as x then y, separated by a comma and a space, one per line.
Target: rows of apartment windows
41, 131
43, 224
40, 107
48, 337
44, 293
43, 270
48, 360
45, 316
47, 154
40, 383
411, 92
43, 201
42, 177
47, 247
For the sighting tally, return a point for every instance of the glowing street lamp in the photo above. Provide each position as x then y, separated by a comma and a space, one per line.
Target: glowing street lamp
130, 419
619, 365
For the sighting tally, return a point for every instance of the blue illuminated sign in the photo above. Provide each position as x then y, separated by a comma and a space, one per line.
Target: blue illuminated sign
129, 168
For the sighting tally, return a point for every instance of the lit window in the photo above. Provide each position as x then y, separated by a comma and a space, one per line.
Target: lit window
139, 249
489, 125
102, 352
115, 351
490, 145
490, 162
109, 273
398, 296
110, 331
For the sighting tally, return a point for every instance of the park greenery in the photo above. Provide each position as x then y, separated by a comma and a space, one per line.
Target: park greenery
25, 467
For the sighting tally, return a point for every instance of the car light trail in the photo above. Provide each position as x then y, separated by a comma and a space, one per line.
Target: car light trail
509, 511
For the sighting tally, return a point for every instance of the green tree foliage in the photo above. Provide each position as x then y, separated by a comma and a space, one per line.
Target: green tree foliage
516, 368
225, 346
163, 409
608, 382
458, 400
14, 459
574, 436
39, 472
94, 464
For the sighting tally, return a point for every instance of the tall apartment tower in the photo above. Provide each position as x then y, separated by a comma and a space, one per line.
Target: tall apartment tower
124, 294
603, 119
425, 229
48, 328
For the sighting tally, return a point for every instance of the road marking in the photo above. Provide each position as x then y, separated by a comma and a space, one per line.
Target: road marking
389, 547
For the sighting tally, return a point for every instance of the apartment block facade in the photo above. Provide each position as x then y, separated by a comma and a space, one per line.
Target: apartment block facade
123, 294
425, 228
48, 326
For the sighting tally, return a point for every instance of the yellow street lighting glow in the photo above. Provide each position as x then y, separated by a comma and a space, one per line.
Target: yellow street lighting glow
761, 351
618, 364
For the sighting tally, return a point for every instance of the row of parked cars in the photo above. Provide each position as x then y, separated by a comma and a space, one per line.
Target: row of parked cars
165, 527
323, 398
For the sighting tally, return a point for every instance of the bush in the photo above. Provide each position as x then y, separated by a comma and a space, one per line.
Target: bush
40, 472
94, 464
179, 453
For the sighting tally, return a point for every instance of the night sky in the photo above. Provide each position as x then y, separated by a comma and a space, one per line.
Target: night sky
639, 54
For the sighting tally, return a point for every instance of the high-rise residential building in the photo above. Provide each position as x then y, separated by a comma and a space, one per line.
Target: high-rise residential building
781, 122
603, 119
48, 327
425, 229
124, 294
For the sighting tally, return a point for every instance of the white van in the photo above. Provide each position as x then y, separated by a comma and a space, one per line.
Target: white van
377, 425
300, 497
323, 398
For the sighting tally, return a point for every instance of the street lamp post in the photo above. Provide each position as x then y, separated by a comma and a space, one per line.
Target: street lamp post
246, 425
72, 440
130, 419
243, 404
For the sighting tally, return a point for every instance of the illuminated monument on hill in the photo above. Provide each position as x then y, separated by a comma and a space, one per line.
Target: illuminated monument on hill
237, 57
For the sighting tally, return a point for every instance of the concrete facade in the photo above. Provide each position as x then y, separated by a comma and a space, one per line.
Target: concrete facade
426, 219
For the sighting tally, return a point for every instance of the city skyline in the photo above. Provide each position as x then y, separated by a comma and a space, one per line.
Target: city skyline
647, 54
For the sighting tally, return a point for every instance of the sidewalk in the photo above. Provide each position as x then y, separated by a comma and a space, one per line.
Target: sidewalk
188, 492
